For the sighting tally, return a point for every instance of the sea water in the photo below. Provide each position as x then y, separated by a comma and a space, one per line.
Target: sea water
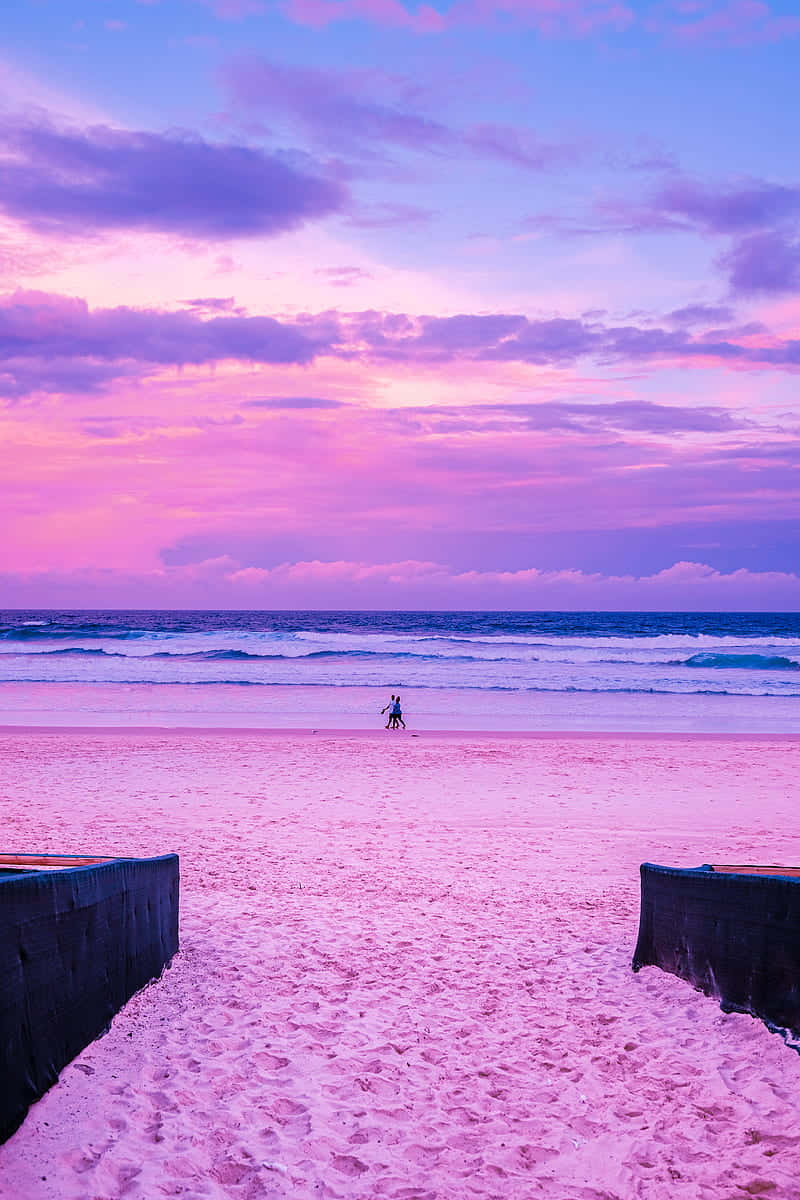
464, 670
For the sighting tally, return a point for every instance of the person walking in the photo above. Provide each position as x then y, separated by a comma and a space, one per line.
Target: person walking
397, 713
391, 723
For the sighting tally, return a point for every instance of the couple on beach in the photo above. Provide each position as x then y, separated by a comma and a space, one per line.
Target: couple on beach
395, 712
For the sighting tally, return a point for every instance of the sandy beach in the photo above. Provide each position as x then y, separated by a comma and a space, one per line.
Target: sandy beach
405, 969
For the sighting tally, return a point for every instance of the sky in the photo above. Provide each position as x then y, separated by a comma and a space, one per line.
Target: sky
364, 303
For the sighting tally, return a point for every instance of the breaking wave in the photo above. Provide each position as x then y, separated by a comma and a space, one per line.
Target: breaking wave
751, 662
657, 653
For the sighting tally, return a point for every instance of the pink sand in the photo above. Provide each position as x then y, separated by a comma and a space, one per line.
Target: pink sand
405, 970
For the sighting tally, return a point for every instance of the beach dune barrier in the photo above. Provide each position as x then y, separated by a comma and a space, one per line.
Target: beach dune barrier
78, 936
731, 931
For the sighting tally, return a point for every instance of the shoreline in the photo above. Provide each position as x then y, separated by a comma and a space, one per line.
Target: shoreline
348, 709
545, 735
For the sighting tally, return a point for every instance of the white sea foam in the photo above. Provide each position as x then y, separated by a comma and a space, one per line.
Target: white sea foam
196, 652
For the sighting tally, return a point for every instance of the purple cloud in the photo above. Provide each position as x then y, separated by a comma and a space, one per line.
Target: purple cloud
726, 210
337, 107
510, 338
214, 304
69, 180
228, 10
731, 23
764, 262
577, 17
56, 343
234, 10
762, 259
700, 314
518, 147
343, 276
464, 333
685, 205
628, 415
701, 22
556, 341
340, 110
20, 377
294, 403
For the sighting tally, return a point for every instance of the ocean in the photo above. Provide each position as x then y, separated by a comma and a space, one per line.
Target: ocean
472, 670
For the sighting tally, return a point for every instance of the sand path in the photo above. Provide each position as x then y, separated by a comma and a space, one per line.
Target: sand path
405, 971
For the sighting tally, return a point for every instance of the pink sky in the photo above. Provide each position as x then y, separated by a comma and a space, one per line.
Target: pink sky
304, 317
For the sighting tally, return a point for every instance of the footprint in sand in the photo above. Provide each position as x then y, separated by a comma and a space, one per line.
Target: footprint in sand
81, 1160
424, 1156
284, 1107
349, 1165
433, 1056
231, 1172
125, 1173
161, 1101
293, 1117
412, 1193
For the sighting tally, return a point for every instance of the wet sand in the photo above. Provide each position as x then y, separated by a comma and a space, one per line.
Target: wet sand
405, 969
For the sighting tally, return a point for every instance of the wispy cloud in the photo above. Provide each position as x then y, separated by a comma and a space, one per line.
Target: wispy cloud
733, 23
293, 403
640, 416
343, 276
550, 17
371, 114
701, 314
759, 217
389, 13
228, 10
740, 23
685, 205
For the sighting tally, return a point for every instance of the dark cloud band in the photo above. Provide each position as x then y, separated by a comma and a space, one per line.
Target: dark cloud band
56, 343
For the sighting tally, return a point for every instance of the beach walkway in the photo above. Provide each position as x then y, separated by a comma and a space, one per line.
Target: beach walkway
405, 970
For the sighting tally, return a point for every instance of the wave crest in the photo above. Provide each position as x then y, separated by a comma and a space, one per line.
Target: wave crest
752, 662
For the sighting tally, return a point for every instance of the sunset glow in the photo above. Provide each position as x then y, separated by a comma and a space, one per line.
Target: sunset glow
348, 303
